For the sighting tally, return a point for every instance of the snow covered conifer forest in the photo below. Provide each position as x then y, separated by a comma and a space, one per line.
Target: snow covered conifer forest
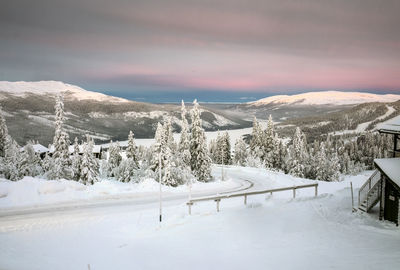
190, 157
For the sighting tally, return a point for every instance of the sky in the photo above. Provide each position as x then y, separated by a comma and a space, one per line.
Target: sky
133, 48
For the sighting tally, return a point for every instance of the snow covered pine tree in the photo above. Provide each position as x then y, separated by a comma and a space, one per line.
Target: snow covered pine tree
200, 161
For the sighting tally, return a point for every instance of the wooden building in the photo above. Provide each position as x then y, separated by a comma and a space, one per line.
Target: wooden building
384, 184
392, 127
389, 169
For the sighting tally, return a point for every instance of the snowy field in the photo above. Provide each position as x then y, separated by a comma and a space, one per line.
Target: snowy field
271, 232
234, 134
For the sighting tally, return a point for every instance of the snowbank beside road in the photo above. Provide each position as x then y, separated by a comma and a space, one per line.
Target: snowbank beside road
31, 192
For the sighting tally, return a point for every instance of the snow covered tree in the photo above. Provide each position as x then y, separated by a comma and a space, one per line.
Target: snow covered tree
268, 144
240, 152
276, 153
47, 163
29, 162
168, 178
200, 160
76, 162
61, 159
169, 135
11, 160
298, 154
256, 142
184, 143
334, 168
126, 171
131, 150
159, 148
220, 150
227, 158
89, 172
3, 134
128, 167
321, 162
114, 158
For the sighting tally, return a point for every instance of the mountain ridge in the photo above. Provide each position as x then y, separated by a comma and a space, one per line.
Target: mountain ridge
325, 98
22, 88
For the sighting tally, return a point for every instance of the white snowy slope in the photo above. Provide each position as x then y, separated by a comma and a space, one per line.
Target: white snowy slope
325, 98
53, 87
270, 232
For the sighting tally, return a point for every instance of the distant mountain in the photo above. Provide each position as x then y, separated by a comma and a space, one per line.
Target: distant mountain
70, 91
284, 107
325, 98
29, 111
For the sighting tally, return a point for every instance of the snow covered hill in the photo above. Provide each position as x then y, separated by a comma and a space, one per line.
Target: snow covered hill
325, 98
70, 91
31, 104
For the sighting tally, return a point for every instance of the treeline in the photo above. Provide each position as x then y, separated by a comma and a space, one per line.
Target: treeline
316, 126
324, 159
177, 163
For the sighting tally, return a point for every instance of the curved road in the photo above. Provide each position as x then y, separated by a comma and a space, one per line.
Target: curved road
130, 202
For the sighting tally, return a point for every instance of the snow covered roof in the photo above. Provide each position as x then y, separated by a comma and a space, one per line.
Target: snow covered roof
391, 126
96, 149
39, 148
390, 167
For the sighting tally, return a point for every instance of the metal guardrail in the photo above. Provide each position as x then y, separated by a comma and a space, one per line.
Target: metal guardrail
218, 198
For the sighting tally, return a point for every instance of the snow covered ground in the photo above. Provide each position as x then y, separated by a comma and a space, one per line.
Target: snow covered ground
33, 193
271, 232
363, 126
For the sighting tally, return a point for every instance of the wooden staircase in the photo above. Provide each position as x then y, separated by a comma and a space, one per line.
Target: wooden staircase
370, 192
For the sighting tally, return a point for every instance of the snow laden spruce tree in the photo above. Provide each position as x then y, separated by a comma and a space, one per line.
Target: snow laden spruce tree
241, 152
114, 159
89, 170
256, 143
129, 167
182, 170
131, 150
200, 161
76, 161
220, 149
268, 144
29, 163
298, 154
61, 162
184, 142
11, 160
3, 134
162, 150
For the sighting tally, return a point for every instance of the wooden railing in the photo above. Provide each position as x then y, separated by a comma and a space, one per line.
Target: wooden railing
366, 187
218, 198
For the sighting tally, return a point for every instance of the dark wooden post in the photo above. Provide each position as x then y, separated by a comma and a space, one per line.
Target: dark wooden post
189, 204
218, 200
382, 201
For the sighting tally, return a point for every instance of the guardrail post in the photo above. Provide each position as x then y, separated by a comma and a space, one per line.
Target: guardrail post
294, 192
245, 199
316, 190
189, 204
218, 200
